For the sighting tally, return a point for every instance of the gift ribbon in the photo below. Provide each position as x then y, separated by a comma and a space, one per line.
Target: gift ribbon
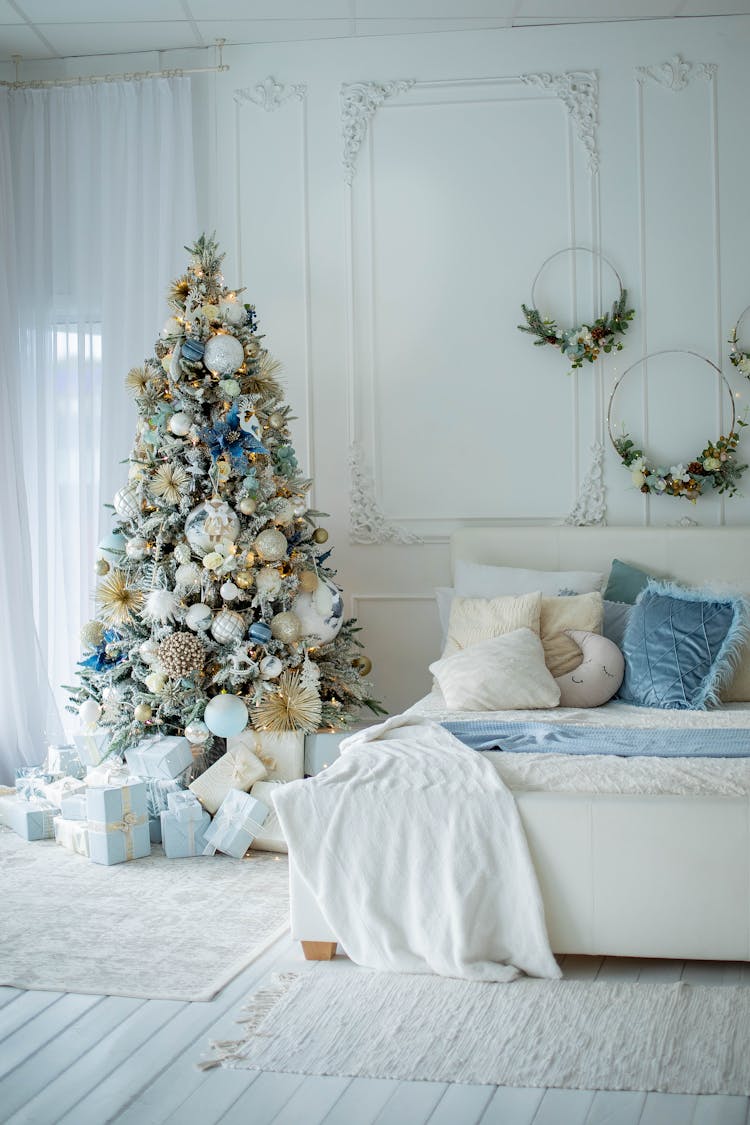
126, 824
267, 759
231, 820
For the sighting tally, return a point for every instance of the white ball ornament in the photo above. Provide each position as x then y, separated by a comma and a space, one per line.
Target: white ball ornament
180, 424
171, 328
271, 545
136, 548
229, 591
225, 715
286, 627
148, 651
228, 627
142, 713
188, 574
268, 582
198, 616
224, 354
89, 713
270, 667
232, 312
247, 505
126, 503
283, 511
210, 523
320, 611
197, 733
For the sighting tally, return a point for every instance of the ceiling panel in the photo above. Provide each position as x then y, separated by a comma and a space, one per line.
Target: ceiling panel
272, 31
269, 9
8, 14
435, 9
565, 10
116, 38
18, 39
715, 8
100, 11
423, 26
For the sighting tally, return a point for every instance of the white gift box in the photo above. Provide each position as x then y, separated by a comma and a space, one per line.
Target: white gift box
162, 756
270, 838
73, 835
235, 826
282, 753
56, 791
92, 748
112, 772
65, 759
237, 769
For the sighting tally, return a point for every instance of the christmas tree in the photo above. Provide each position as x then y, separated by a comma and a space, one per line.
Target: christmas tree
216, 604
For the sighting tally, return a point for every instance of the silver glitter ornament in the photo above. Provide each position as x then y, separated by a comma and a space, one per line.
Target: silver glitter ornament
228, 627
136, 548
197, 733
224, 354
286, 627
271, 545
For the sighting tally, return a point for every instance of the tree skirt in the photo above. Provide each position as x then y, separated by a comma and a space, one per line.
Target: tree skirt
675, 1038
167, 929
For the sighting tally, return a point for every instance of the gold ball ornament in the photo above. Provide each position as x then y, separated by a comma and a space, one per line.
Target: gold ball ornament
286, 627
142, 713
101, 567
276, 420
92, 633
244, 579
320, 535
363, 664
308, 581
271, 545
284, 511
247, 505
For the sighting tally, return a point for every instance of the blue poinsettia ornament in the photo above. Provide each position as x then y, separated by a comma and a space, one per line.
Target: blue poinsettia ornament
227, 437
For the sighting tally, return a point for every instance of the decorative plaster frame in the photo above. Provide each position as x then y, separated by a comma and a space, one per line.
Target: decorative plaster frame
578, 90
270, 94
359, 103
676, 73
591, 506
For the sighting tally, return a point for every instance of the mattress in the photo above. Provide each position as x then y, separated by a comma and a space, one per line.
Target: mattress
551, 772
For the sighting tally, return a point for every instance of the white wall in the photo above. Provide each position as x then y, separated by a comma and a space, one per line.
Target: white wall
393, 300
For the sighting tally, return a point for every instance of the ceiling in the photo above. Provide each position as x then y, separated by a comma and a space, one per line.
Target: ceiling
56, 29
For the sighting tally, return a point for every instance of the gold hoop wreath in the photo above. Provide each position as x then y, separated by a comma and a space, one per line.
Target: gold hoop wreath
715, 465
584, 341
738, 357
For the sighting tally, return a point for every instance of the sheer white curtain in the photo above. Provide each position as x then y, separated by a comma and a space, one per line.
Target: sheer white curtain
103, 188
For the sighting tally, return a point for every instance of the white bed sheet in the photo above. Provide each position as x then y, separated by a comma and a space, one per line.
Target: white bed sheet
574, 773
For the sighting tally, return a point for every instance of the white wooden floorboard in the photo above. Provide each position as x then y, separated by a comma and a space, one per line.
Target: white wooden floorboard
7, 994
313, 1100
720, 1109
653, 971
412, 1102
361, 1102
564, 1107
579, 967
619, 1107
669, 1109
265, 1098
461, 1102
213, 1098
617, 969
24, 1008
45, 1026
512, 1105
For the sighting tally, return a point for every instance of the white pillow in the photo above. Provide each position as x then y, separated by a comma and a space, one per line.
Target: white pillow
474, 620
475, 580
503, 674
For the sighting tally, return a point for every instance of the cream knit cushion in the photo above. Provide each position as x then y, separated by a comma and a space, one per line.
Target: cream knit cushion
583, 612
474, 620
505, 673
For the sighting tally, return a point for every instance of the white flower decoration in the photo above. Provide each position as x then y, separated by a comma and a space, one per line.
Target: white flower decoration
678, 472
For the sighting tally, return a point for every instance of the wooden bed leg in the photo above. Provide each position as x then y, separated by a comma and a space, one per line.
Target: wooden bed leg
318, 950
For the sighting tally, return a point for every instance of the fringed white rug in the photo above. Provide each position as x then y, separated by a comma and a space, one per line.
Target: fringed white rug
675, 1038
167, 929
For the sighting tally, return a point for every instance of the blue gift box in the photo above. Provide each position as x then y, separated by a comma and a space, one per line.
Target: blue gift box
185, 805
32, 820
73, 807
92, 747
118, 823
30, 779
184, 837
161, 757
238, 821
158, 791
154, 829
65, 760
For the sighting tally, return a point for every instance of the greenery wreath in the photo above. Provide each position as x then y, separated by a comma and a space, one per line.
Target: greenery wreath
737, 356
715, 464
585, 341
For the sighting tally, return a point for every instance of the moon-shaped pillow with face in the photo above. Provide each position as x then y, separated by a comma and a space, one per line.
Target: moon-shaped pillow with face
599, 675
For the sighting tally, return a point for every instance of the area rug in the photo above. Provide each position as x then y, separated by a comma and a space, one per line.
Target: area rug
168, 929
674, 1038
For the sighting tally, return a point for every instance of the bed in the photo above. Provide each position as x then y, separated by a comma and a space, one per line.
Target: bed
635, 857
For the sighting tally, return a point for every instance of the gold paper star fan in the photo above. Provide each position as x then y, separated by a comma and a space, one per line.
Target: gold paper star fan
290, 707
116, 600
136, 380
169, 482
177, 294
262, 378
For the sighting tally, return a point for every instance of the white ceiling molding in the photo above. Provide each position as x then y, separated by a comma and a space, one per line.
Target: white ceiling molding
676, 74
270, 94
359, 103
578, 90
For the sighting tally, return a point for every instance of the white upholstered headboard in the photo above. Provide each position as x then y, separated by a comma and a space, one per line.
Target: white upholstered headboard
697, 555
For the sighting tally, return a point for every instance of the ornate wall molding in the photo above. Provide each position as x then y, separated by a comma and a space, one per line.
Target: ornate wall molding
368, 522
578, 90
591, 506
270, 94
675, 74
359, 103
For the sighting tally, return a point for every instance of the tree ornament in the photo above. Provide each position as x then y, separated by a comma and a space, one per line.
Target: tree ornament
244, 579
117, 601
290, 707
270, 667
192, 349
136, 548
155, 682
92, 634
299, 508
211, 312
259, 632
276, 420
181, 654
148, 651
213, 560
126, 503
286, 627
166, 362
228, 627
268, 582
171, 328
320, 535
283, 511
162, 606
101, 567
363, 664
89, 713
229, 591
271, 545
187, 574
142, 713
199, 616
169, 482
182, 553
224, 354
250, 423
210, 523
136, 380
247, 505
197, 733
320, 612
232, 312
112, 544
308, 581
226, 715
180, 423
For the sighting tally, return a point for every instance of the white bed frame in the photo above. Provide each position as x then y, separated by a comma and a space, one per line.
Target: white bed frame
624, 876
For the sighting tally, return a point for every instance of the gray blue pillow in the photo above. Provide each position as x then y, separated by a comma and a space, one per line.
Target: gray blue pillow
625, 582
616, 617
680, 645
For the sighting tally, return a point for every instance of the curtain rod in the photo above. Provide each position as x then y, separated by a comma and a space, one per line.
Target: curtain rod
135, 76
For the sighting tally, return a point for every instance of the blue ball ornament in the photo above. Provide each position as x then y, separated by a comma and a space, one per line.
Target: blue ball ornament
113, 543
225, 715
193, 350
259, 632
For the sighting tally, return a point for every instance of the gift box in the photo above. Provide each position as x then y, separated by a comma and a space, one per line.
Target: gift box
282, 753
185, 805
164, 757
30, 781
56, 791
64, 759
184, 837
154, 829
32, 820
118, 823
270, 838
73, 807
235, 770
239, 820
112, 772
92, 747
73, 835
158, 791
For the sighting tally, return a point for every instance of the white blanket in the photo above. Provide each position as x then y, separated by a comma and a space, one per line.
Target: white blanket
415, 852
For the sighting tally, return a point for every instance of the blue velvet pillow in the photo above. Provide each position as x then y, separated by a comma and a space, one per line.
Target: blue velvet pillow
679, 646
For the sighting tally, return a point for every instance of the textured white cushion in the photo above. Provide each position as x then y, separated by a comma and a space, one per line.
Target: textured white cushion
476, 580
503, 674
473, 620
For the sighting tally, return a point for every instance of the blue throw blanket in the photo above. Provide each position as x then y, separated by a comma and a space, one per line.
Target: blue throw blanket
542, 738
